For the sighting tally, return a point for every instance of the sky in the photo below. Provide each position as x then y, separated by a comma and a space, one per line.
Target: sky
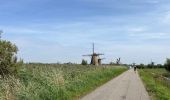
51, 31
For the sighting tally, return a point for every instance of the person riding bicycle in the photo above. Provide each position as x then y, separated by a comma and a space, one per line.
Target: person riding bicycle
134, 68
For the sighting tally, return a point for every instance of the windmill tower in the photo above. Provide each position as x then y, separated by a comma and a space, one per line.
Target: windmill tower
100, 60
95, 60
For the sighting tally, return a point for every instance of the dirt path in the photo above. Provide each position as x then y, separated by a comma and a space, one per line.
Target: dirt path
127, 86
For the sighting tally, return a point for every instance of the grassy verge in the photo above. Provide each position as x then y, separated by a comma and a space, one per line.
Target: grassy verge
55, 82
157, 87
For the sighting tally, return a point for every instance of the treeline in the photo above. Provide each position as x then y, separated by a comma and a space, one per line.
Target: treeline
153, 65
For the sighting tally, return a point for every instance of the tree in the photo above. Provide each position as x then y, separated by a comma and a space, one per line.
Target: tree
151, 65
8, 59
141, 66
167, 64
160, 66
84, 62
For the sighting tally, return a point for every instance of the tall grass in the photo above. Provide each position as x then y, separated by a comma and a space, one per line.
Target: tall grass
155, 85
55, 82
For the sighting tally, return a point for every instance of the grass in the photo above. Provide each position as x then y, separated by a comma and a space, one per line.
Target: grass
156, 85
55, 82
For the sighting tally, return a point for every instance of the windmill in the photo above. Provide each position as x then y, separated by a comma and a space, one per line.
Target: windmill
118, 61
100, 60
95, 60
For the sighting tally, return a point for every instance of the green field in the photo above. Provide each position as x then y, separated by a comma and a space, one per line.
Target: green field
55, 82
156, 84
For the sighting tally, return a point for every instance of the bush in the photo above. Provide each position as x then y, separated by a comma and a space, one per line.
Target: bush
8, 59
167, 64
84, 62
159, 66
141, 66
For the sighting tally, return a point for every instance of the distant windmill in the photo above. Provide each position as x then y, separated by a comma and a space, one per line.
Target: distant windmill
118, 61
100, 60
95, 60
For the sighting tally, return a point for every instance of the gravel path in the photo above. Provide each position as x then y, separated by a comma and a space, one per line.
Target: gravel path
127, 86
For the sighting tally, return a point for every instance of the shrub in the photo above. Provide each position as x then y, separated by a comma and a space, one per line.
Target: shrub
8, 59
159, 66
84, 62
141, 66
167, 64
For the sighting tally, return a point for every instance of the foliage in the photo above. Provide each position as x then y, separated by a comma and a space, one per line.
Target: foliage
151, 65
84, 62
8, 59
141, 66
157, 87
167, 64
56, 82
160, 66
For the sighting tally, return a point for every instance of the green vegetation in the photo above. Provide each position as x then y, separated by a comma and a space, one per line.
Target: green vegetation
55, 82
167, 64
152, 65
8, 59
84, 62
156, 83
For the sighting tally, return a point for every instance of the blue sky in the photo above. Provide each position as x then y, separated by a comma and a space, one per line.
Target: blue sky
52, 31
